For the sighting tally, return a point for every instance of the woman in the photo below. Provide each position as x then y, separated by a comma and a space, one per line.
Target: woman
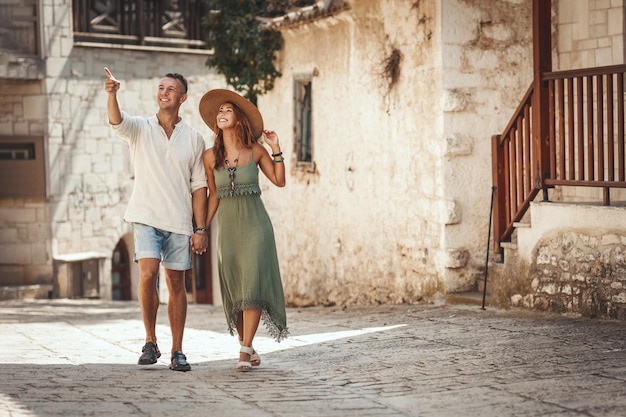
247, 262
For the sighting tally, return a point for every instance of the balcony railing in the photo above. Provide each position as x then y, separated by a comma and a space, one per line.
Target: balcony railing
140, 22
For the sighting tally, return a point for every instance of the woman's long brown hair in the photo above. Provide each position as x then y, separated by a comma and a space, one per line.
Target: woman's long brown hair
244, 135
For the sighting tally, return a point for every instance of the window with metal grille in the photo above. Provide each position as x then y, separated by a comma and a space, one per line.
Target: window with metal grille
17, 151
303, 118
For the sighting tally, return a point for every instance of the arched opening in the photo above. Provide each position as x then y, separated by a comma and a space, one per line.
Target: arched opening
120, 273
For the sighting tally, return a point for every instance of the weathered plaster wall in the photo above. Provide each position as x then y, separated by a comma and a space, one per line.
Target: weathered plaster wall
365, 226
398, 207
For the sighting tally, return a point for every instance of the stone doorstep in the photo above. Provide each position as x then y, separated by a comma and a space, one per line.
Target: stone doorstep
25, 292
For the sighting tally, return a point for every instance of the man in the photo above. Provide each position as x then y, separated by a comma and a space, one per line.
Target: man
170, 187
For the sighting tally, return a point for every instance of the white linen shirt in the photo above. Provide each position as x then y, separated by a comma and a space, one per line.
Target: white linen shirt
166, 172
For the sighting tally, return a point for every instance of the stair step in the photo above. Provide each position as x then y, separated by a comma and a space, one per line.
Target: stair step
508, 245
25, 292
521, 224
472, 298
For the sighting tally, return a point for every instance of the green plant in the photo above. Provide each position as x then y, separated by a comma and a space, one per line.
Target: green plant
243, 51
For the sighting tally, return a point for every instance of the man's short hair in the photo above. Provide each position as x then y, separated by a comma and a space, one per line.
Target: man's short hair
178, 77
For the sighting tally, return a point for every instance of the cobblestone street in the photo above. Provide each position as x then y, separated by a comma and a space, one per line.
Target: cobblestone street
78, 358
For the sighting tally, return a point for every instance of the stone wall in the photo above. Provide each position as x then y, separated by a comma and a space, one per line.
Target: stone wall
564, 265
582, 271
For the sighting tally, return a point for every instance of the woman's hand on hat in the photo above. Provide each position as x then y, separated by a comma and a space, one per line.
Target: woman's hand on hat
270, 137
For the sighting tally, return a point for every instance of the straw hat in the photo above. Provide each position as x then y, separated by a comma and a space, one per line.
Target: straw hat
213, 99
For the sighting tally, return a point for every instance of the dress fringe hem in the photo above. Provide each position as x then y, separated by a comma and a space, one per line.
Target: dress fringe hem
277, 330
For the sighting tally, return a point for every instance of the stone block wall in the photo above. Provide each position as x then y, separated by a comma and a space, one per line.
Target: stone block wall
579, 270
590, 33
25, 233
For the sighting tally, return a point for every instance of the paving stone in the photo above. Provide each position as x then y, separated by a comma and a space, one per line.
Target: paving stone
78, 358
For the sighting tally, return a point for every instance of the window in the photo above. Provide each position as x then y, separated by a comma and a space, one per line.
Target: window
303, 123
140, 22
22, 173
18, 27
17, 151
19, 40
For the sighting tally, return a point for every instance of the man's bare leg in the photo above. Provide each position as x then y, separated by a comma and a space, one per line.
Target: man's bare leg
149, 303
177, 307
177, 313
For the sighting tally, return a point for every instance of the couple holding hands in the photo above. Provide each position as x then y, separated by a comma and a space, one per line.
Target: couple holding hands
171, 213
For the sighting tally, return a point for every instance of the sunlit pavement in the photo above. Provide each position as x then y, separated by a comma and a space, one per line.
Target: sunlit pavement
78, 358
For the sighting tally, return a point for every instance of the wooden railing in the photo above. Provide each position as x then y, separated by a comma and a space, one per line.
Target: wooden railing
512, 171
585, 146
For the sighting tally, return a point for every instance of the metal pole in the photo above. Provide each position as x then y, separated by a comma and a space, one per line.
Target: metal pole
493, 191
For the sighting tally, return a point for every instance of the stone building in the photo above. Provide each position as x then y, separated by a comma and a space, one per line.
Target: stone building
386, 111
391, 204
66, 178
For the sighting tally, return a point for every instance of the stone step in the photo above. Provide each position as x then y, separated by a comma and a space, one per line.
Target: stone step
25, 292
470, 297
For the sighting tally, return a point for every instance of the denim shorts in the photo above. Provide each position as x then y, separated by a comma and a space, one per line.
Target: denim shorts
172, 249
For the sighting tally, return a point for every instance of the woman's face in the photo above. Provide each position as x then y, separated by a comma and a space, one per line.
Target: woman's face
226, 117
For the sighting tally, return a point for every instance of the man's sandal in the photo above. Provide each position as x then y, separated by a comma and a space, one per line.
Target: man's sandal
255, 359
244, 365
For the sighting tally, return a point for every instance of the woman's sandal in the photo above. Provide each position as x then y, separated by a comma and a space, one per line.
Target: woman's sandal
244, 365
255, 359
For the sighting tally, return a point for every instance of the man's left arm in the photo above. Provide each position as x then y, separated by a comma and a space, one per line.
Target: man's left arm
200, 237
199, 199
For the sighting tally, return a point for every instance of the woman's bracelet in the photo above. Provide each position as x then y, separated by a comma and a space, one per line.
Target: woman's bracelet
277, 154
278, 160
201, 229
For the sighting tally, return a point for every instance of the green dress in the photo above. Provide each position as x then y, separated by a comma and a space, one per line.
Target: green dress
246, 251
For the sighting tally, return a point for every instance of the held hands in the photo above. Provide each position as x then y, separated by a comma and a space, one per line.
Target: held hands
199, 242
111, 85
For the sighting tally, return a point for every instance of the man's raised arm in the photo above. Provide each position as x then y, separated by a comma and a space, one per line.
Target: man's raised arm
111, 85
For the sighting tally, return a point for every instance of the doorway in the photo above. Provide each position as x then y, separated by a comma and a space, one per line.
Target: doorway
120, 273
